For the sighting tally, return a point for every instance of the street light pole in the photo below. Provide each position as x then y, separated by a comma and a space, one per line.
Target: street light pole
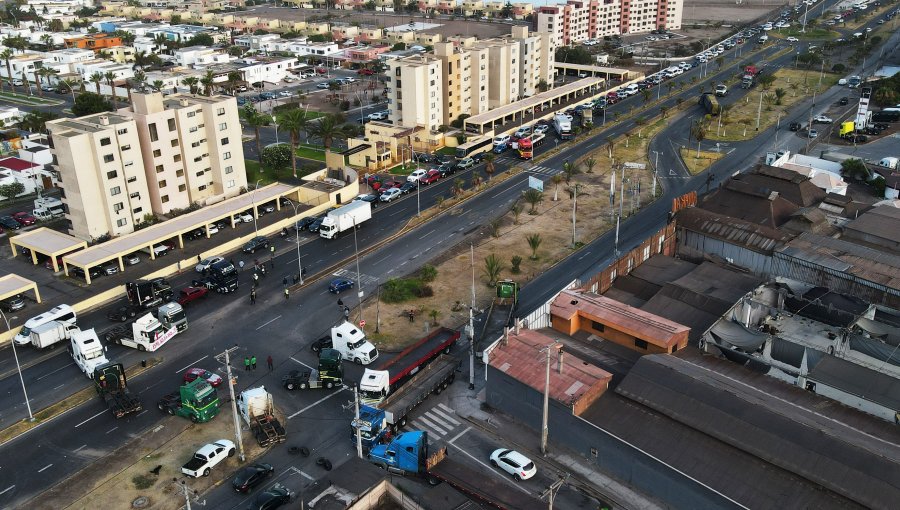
18, 367
253, 203
655, 170
359, 293
297, 237
274, 123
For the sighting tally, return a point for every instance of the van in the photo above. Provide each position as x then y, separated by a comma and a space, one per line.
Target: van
632, 89
61, 313
762, 39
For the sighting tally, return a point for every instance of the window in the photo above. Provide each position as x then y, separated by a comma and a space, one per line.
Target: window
115, 190
108, 158
162, 184
175, 143
137, 210
193, 129
229, 184
128, 163
164, 199
112, 174
122, 222
223, 126
126, 147
201, 188
197, 159
220, 111
226, 155
104, 142
171, 124
122, 131
153, 135
640, 344
157, 153
228, 170
177, 158
131, 179
182, 187
225, 141
135, 195
159, 169
200, 173
191, 114
179, 173
195, 144
646, 252
597, 326
118, 207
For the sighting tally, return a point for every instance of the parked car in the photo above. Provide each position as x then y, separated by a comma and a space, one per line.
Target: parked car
257, 243
109, 268
377, 115
813, 133
24, 218
8, 223
206, 263
122, 313
844, 101
432, 177
388, 184
131, 259
244, 217
190, 294
195, 373
369, 197
514, 463
314, 226
390, 194
251, 476
417, 174
13, 304
273, 498
365, 72
340, 285
408, 186
94, 272
465, 163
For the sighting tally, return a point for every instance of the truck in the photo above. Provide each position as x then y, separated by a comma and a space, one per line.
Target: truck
147, 294
407, 454
257, 408
196, 400
87, 351
376, 385
563, 126
751, 71
499, 315
46, 208
847, 129
51, 333
351, 342
171, 315
112, 386
889, 162
329, 374
527, 145
709, 103
219, 284
144, 334
207, 457
345, 218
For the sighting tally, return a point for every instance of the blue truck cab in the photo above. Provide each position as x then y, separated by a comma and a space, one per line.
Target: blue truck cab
407, 453
372, 426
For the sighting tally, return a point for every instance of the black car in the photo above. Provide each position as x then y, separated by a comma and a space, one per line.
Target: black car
442, 158
322, 343
407, 187
314, 226
94, 272
478, 158
121, 314
794, 126
449, 168
844, 100
257, 243
251, 476
272, 498
13, 304
304, 223
9, 223
424, 158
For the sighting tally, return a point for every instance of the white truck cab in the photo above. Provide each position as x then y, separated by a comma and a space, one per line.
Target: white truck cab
352, 344
87, 351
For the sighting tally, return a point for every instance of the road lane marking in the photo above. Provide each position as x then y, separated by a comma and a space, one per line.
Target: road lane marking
267, 323
89, 419
427, 234
446, 417
304, 475
111, 430
182, 369
317, 402
491, 469
422, 426
60, 386
80, 448
44, 468
432, 426
11, 487
302, 363
459, 435
55, 371
445, 408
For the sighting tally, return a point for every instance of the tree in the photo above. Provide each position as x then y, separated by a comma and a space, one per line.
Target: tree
646, 94
779, 95
698, 131
139, 79
157, 85
459, 185
97, 78
516, 262
111, 80
533, 197
542, 85
327, 129
207, 82
294, 121
89, 103
534, 242
516, 210
572, 170
663, 110
175, 19
6, 55
70, 84
191, 83
255, 119
12, 190
201, 40
34, 121
55, 25
765, 81
276, 156
493, 266
590, 162
720, 61
855, 169
234, 77
556, 179
489, 164
610, 146
574, 55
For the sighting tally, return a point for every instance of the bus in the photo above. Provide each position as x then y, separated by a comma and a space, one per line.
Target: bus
476, 146
527, 145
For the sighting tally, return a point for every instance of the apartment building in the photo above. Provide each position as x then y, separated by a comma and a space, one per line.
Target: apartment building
456, 78
191, 148
579, 20
101, 171
415, 91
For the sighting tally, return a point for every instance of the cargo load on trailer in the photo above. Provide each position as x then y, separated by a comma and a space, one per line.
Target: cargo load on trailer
257, 408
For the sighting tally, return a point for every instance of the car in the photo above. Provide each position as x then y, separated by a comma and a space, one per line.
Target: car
365, 72
13, 304
822, 119
109, 268
285, 93
189, 294
272, 498
543, 128
514, 463
371, 198
257, 243
8, 223
500, 140
408, 186
251, 476
314, 226
93, 271
206, 263
813, 133
212, 228
721, 90
794, 126
523, 131
340, 285
388, 184
844, 101
390, 194
322, 343
266, 209
195, 373
417, 174
432, 177
322, 86
377, 115
131, 259
792, 39
465, 163
122, 313
24, 218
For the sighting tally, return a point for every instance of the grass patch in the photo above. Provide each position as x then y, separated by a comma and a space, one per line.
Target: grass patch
143, 482
309, 114
449, 151
26, 99
811, 33
313, 152
696, 164
399, 290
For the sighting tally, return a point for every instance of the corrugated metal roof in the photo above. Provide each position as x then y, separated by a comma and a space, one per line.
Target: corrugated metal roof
857, 380
874, 265
733, 230
882, 222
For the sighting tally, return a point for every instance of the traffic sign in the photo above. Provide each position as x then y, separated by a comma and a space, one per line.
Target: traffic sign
362, 323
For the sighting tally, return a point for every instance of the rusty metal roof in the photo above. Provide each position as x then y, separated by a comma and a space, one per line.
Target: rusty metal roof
733, 230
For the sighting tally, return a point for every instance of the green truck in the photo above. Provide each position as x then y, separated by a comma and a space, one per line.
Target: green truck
710, 103
196, 400
329, 374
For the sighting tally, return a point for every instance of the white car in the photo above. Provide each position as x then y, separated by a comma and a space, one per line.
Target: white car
390, 194
244, 217
792, 39
349, 80
541, 129
377, 115
212, 229
514, 463
523, 131
206, 263
285, 93
822, 119
416, 175
500, 140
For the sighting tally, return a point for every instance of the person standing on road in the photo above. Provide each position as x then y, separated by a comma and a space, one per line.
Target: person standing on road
255, 280
284, 281
269, 363
253, 296
272, 255
252, 362
246, 363
287, 293
241, 265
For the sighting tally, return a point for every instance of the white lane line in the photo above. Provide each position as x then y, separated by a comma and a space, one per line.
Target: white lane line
419, 425
182, 369
302, 363
445, 408
11, 487
60, 386
460, 435
55, 371
427, 234
396, 213
433, 426
267, 323
492, 470
111, 430
440, 423
382, 259
585, 255
89, 419
80, 448
304, 475
44, 468
314, 404
445, 416
148, 387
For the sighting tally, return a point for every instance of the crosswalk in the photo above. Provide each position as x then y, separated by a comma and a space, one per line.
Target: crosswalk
364, 279
537, 169
440, 421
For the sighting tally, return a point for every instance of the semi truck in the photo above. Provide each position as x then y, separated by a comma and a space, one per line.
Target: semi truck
51, 333
351, 342
329, 374
527, 145
145, 334
499, 315
563, 126
345, 218
46, 208
219, 284
257, 408
709, 103
408, 454
196, 400
171, 315
87, 351
147, 294
376, 385
112, 386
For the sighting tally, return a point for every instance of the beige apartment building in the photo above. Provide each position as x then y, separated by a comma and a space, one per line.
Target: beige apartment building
158, 155
577, 21
104, 186
415, 91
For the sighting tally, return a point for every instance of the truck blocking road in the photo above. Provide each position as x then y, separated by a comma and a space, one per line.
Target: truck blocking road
257, 408
345, 218
351, 342
526, 145
51, 333
146, 294
196, 400
144, 334
499, 315
563, 126
329, 374
112, 386
87, 351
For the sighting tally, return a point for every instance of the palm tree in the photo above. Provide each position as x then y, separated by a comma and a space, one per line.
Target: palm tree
234, 77
533, 197
590, 162
38, 73
139, 79
207, 82
157, 85
493, 266
534, 242
542, 85
111, 80
70, 83
6, 55
191, 83
47, 39
489, 164
256, 119
327, 129
294, 121
97, 78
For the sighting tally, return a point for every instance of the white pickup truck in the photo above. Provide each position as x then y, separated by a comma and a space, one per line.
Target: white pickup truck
207, 457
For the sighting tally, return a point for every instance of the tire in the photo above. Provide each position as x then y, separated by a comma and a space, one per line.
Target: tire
304, 451
315, 347
141, 348
402, 422
438, 390
326, 465
357, 361
320, 461
447, 350
493, 462
194, 418
231, 452
123, 319
171, 411
289, 386
382, 465
206, 472
304, 386
329, 385
161, 407
517, 477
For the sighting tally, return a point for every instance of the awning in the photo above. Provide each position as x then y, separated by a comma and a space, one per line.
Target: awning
734, 334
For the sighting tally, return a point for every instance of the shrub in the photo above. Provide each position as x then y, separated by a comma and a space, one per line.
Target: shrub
398, 290
428, 273
516, 262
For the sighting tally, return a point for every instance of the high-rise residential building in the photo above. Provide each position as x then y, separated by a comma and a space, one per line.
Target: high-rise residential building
579, 20
158, 155
456, 70
104, 186
416, 91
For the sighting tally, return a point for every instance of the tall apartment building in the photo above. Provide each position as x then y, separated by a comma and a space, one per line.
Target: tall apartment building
416, 91
159, 155
104, 186
456, 70
580, 20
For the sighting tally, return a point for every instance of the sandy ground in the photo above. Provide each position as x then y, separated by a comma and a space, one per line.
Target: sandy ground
727, 12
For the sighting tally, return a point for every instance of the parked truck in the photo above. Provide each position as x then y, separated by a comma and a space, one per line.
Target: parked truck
147, 294
51, 333
499, 315
196, 400
219, 284
350, 341
563, 126
329, 374
207, 457
112, 386
408, 454
46, 208
171, 315
257, 408
87, 351
345, 218
145, 334
526, 145
709, 103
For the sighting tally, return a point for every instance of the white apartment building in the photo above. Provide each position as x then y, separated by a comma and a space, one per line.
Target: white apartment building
504, 83
54, 6
87, 69
262, 42
266, 69
201, 56
298, 47
416, 92
579, 20
104, 186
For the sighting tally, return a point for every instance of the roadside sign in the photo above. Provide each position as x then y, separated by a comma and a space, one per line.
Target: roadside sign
362, 323
534, 182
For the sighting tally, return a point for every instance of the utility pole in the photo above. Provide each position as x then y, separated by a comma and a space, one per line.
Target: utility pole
574, 208
544, 427
472, 324
225, 358
360, 292
359, 453
550, 492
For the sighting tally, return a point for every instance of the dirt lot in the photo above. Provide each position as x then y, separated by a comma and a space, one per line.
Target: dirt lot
727, 12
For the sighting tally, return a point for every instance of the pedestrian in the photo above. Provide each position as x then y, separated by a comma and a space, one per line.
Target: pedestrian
346, 312
284, 281
253, 297
255, 280
241, 264
252, 362
269, 363
199, 259
246, 363
340, 303
287, 293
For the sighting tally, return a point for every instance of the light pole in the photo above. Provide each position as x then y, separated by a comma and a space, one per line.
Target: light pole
275, 123
418, 189
253, 202
544, 428
297, 236
359, 294
18, 367
655, 170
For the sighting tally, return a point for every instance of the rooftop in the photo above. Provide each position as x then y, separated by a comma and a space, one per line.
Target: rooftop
49, 241
17, 164
877, 226
735, 231
878, 266
534, 100
857, 380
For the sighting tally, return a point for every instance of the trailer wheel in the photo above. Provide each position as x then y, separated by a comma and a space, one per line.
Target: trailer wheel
194, 418
320, 461
304, 386
327, 465
433, 481
289, 386
141, 347
329, 385
304, 451
170, 411
401, 422
206, 472
438, 389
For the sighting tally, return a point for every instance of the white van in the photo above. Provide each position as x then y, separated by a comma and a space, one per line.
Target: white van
632, 89
61, 313
762, 39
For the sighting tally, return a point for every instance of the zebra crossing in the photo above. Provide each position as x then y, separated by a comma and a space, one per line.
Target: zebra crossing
367, 280
440, 421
